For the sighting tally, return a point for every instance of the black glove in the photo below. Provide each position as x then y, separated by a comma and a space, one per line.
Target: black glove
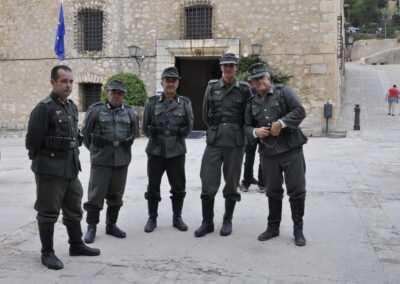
182, 131
80, 138
128, 141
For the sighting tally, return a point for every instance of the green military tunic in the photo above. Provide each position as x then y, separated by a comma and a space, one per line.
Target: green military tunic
167, 123
108, 134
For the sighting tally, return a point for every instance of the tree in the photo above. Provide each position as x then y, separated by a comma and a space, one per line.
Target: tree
387, 14
364, 11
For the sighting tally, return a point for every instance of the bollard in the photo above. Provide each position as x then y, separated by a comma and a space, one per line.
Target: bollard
357, 110
327, 113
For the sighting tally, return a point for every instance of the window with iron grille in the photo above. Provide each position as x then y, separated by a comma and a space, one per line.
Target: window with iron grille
90, 94
90, 30
198, 22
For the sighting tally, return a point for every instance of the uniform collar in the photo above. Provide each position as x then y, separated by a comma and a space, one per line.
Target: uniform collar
54, 97
270, 91
110, 107
176, 98
222, 83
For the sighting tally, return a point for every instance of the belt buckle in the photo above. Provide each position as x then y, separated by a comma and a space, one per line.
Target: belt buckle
116, 143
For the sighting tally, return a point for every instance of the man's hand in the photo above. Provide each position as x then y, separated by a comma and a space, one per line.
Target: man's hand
276, 128
262, 132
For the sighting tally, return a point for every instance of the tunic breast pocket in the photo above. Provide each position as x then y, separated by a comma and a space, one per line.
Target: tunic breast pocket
178, 116
159, 113
61, 124
106, 122
216, 99
124, 122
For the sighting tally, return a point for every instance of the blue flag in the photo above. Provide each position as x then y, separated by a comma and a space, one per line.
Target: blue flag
59, 43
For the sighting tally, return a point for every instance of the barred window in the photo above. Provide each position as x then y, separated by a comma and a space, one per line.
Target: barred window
90, 30
198, 22
90, 94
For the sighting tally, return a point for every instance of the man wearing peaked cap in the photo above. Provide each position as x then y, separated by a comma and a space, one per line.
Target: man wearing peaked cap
109, 131
167, 120
273, 116
223, 113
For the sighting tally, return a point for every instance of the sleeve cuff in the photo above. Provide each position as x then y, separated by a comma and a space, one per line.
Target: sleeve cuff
254, 133
283, 124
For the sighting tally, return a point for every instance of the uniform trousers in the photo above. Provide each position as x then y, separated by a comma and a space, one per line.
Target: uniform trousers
54, 194
230, 159
175, 168
106, 183
290, 165
250, 150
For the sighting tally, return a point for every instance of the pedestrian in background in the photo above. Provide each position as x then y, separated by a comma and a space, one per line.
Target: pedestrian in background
392, 97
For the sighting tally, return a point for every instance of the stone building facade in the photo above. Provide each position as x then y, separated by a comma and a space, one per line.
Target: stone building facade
300, 37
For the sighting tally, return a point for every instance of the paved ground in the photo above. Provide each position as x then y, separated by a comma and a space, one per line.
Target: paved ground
352, 217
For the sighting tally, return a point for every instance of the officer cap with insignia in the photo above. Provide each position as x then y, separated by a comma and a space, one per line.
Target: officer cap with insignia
170, 72
117, 85
228, 58
257, 70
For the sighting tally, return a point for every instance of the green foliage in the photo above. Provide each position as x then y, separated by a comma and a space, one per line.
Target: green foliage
246, 62
136, 90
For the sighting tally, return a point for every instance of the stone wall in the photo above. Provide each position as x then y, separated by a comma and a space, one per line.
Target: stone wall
364, 48
298, 36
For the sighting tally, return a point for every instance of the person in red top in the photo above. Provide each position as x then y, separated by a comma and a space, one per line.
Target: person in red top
392, 97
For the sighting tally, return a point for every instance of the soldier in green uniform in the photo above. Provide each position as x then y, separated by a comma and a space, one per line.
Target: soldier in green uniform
223, 113
273, 116
52, 141
108, 129
167, 120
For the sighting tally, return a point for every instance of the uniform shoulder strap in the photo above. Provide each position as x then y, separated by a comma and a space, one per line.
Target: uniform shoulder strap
46, 100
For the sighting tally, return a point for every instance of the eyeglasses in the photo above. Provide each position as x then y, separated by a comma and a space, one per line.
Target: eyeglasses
258, 79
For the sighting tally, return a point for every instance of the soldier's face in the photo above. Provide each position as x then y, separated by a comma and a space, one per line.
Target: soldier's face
170, 85
115, 97
229, 70
62, 86
261, 84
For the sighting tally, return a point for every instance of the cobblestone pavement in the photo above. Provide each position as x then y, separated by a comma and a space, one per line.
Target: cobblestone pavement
352, 216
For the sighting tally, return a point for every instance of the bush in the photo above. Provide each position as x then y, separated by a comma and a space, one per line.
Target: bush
246, 62
135, 89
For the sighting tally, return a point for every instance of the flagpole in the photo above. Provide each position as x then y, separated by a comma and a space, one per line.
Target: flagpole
59, 42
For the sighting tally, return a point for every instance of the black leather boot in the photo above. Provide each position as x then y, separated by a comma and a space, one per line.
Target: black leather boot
76, 245
92, 219
297, 207
274, 220
207, 226
111, 220
226, 228
152, 221
177, 222
49, 259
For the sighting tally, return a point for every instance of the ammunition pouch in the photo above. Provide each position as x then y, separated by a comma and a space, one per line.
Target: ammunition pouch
60, 143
